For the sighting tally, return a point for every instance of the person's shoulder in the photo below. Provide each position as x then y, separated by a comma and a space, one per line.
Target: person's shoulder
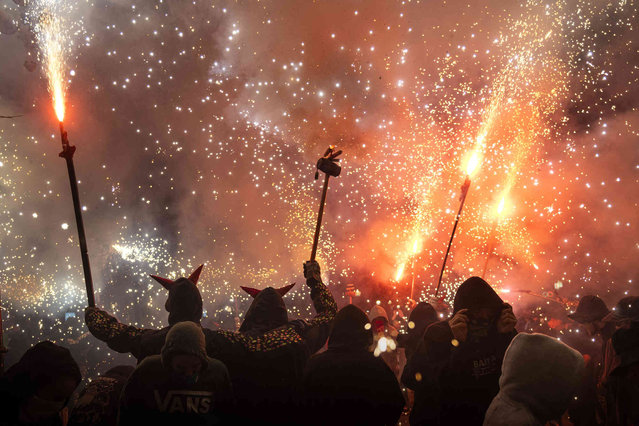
438, 332
322, 357
149, 363
215, 365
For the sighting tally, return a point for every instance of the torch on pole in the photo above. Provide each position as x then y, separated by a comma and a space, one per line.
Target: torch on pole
462, 199
67, 153
328, 165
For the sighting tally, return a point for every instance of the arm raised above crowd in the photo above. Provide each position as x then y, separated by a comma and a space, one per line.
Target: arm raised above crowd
120, 337
315, 331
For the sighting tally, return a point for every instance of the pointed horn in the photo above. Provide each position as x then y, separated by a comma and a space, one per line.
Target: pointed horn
196, 275
282, 291
252, 291
166, 283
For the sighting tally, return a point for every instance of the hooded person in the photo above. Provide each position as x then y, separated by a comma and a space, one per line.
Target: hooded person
455, 370
184, 303
419, 319
36, 390
622, 385
347, 384
265, 358
540, 377
98, 402
181, 386
593, 316
384, 338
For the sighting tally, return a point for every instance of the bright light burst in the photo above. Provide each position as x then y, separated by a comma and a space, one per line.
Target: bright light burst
52, 33
208, 119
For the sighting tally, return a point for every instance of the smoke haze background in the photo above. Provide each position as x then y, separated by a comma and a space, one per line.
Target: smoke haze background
198, 127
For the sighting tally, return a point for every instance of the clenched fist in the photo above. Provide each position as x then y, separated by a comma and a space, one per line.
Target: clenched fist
312, 270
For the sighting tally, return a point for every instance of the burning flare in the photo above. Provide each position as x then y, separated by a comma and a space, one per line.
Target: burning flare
51, 38
473, 163
400, 272
502, 204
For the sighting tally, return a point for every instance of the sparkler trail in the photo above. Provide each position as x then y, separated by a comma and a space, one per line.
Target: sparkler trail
203, 121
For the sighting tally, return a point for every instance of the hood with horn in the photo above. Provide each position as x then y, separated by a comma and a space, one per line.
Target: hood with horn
185, 301
267, 311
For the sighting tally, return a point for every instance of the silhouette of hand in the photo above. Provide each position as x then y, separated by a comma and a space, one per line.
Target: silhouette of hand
507, 320
312, 270
459, 325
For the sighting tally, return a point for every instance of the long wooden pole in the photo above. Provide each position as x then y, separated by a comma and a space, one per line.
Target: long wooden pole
67, 154
318, 227
462, 199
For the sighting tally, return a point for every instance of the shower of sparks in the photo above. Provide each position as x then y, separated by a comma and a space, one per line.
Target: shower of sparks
52, 34
206, 120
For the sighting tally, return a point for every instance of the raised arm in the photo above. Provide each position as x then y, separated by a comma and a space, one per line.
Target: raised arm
120, 337
315, 331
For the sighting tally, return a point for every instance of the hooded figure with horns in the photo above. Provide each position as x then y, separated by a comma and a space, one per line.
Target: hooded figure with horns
265, 358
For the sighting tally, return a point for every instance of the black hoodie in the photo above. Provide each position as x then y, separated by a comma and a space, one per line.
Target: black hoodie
183, 304
267, 312
265, 359
419, 319
455, 384
622, 386
347, 385
43, 364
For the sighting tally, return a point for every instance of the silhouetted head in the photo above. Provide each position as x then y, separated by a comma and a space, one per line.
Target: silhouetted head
185, 301
267, 311
351, 330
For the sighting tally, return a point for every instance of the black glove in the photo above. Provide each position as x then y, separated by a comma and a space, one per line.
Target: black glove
312, 271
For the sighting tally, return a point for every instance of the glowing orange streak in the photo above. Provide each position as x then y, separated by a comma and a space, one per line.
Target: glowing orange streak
473, 163
502, 204
400, 272
51, 39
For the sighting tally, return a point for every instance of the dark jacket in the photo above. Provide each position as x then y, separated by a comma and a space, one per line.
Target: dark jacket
98, 403
455, 384
183, 304
265, 359
155, 394
419, 319
347, 385
43, 364
622, 386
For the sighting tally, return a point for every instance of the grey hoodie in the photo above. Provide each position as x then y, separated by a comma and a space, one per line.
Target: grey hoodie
539, 377
156, 395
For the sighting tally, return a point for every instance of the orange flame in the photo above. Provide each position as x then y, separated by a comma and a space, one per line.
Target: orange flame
502, 204
473, 163
51, 37
416, 246
400, 272
58, 100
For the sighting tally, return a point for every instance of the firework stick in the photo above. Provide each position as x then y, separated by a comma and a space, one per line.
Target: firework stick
462, 199
328, 165
319, 217
67, 154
